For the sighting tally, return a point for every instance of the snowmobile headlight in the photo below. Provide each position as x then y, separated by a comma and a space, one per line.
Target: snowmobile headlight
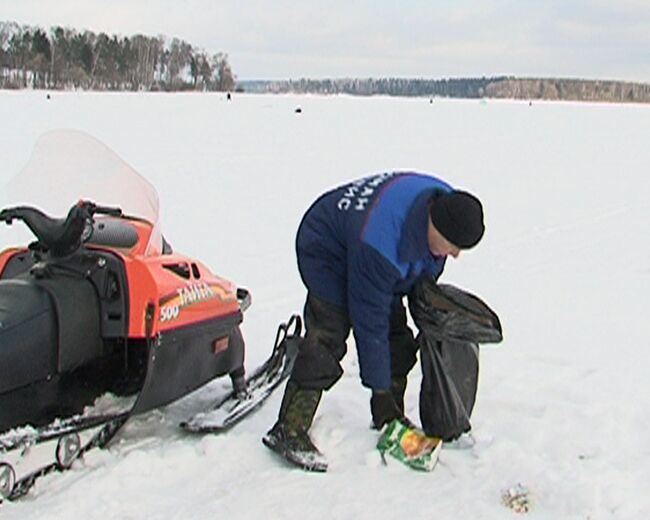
7, 480
67, 449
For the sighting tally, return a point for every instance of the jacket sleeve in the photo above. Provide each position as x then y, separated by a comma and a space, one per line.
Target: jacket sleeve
371, 279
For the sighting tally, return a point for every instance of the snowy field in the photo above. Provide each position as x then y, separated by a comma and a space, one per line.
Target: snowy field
564, 402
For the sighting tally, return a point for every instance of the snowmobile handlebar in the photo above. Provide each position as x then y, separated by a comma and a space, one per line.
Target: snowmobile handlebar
60, 236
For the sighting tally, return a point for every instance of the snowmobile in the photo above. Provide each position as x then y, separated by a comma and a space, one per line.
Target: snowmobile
100, 305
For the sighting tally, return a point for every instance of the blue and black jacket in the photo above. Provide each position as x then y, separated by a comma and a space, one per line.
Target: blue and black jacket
362, 246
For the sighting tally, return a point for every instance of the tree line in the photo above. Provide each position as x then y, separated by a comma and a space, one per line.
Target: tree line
454, 87
570, 89
66, 58
496, 87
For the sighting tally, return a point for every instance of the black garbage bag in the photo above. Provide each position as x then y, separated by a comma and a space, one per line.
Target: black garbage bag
451, 323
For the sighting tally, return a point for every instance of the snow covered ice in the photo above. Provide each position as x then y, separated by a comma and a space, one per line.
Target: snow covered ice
563, 407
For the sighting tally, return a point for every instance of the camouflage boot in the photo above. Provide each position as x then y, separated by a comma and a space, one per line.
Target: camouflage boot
289, 437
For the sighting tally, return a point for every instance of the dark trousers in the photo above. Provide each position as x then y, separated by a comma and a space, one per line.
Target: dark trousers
317, 365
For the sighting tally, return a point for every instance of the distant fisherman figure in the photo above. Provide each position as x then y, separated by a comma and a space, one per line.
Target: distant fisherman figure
361, 248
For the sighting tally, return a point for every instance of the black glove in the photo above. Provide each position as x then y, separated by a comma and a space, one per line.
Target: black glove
384, 408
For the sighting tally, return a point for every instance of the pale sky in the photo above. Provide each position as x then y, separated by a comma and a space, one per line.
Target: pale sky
283, 39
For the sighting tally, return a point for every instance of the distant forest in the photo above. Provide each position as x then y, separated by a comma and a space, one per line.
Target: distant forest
498, 87
65, 58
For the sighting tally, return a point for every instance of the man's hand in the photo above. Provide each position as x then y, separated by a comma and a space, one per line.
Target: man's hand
384, 408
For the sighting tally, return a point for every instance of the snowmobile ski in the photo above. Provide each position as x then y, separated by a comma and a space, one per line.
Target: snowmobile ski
237, 405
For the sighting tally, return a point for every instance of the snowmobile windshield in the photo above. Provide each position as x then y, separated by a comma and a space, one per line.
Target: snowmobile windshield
67, 166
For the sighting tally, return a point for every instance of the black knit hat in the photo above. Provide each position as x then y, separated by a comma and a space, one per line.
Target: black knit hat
458, 216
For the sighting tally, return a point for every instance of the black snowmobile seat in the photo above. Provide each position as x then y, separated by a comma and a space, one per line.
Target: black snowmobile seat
47, 326
27, 334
